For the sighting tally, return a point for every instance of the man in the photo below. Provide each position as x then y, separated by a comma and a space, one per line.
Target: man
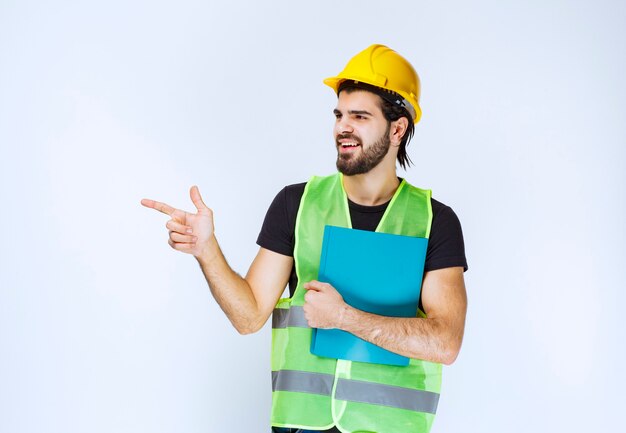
377, 107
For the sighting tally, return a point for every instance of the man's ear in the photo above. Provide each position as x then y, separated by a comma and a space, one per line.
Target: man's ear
398, 130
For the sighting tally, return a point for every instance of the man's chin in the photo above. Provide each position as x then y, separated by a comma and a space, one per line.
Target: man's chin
348, 170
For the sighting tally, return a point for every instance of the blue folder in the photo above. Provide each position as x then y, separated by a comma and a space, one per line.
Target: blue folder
375, 272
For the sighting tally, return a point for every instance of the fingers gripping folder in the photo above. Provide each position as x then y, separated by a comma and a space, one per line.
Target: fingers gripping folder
375, 272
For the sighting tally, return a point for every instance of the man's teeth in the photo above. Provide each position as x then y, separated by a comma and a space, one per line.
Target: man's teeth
349, 144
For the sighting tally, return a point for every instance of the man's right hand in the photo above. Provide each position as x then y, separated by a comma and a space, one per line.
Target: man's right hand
190, 233
247, 302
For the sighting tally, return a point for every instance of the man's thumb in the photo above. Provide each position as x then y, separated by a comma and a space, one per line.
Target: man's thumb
196, 198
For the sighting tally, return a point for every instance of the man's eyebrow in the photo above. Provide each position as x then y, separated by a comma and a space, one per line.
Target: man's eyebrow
357, 112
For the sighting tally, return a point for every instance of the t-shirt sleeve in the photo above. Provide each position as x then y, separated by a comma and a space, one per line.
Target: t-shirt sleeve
278, 230
445, 246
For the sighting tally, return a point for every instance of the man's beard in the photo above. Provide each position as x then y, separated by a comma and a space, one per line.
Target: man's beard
350, 164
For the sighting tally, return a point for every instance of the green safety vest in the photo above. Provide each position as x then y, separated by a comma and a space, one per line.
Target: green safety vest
313, 392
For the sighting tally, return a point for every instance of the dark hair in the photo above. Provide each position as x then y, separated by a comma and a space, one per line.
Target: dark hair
392, 112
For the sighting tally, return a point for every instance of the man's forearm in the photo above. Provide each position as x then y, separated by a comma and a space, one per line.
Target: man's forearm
419, 338
231, 291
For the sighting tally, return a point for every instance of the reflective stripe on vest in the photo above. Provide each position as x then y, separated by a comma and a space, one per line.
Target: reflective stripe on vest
289, 317
312, 392
355, 390
302, 381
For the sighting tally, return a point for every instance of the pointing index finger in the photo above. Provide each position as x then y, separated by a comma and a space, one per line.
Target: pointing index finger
157, 205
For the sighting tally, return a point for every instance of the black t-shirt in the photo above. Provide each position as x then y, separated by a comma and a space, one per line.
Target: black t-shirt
445, 244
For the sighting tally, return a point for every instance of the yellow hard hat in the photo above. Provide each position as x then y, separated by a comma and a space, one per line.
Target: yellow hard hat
382, 67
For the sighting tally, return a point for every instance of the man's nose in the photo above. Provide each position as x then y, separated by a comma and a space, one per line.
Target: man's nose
343, 125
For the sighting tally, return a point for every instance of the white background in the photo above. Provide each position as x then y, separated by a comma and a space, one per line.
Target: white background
104, 328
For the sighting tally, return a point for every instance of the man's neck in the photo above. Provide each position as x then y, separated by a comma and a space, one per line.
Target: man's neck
372, 188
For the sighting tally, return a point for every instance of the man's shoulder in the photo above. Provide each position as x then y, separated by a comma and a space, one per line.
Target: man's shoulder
287, 201
295, 188
439, 207
292, 194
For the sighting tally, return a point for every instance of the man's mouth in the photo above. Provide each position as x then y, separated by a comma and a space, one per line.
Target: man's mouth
347, 142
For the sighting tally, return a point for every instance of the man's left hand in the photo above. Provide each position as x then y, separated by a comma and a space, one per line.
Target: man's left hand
324, 307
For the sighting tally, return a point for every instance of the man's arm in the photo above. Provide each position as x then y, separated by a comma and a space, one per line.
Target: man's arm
247, 302
436, 338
